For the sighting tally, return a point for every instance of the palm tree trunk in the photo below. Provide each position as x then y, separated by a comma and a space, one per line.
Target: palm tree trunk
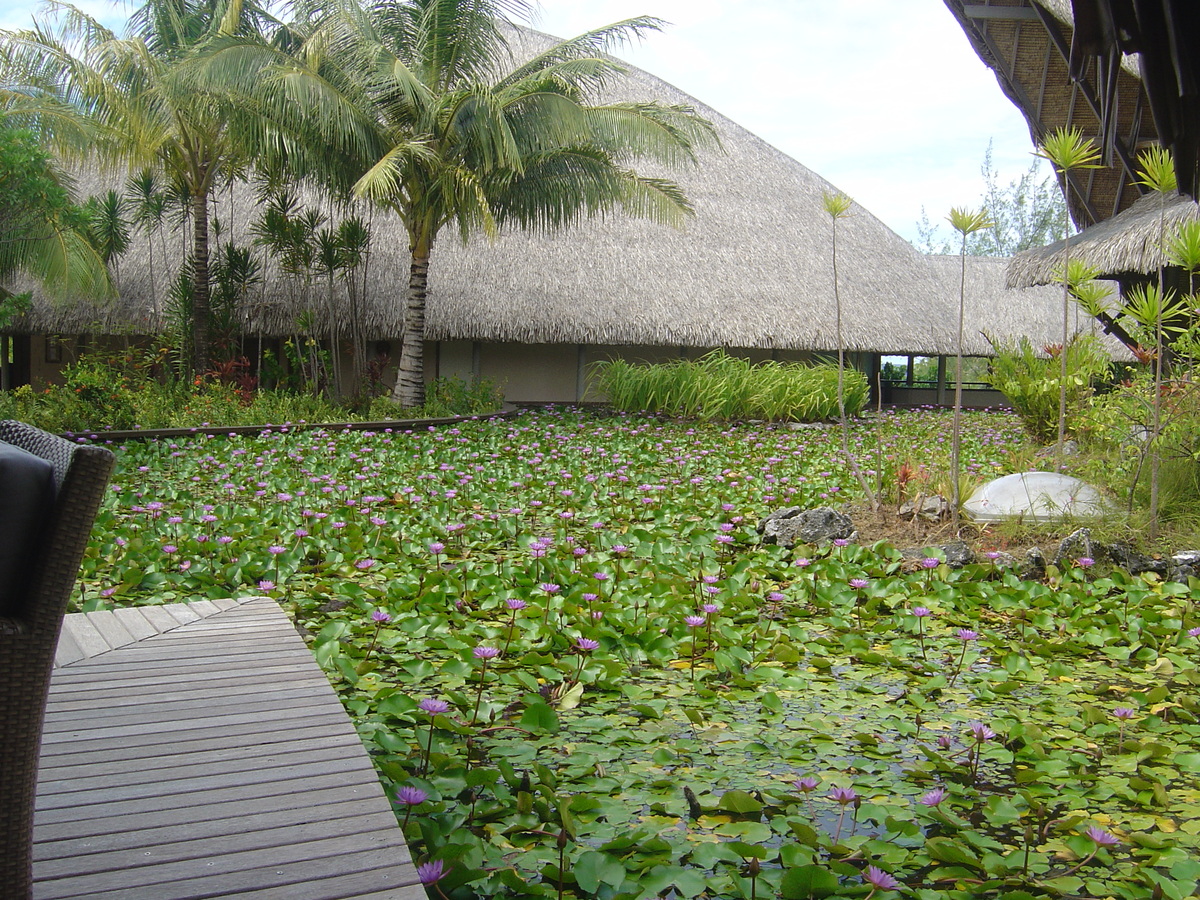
201, 306
410, 374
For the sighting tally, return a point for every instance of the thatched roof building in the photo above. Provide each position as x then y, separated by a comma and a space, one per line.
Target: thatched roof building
1127, 245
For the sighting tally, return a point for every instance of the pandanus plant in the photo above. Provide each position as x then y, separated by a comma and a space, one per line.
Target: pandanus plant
1068, 150
838, 206
966, 222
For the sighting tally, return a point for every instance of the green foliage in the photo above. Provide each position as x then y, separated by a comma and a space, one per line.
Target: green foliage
121, 391
1032, 382
720, 386
42, 232
1156, 170
1117, 431
664, 757
1067, 149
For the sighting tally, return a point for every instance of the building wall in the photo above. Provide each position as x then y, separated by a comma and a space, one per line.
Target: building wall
559, 373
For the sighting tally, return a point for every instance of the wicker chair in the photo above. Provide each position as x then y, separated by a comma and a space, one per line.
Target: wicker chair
33, 599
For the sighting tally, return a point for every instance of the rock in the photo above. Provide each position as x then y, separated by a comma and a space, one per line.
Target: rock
958, 554
1070, 448
1181, 573
1077, 545
933, 509
1186, 558
1034, 567
808, 426
1124, 556
1003, 559
790, 526
955, 554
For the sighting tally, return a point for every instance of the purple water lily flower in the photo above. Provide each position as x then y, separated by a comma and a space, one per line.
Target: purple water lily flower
431, 872
880, 879
411, 796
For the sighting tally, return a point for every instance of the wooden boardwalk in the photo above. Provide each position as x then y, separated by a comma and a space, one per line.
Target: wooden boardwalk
197, 751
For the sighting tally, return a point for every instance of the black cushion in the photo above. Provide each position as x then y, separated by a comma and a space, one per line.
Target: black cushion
26, 501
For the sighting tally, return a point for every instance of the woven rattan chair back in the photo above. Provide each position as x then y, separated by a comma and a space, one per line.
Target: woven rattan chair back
28, 637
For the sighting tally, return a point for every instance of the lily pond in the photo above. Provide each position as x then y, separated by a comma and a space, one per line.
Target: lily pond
581, 674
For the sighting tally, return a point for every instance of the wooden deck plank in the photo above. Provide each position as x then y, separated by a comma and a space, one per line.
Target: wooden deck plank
217, 785
67, 650
208, 834
115, 634
131, 855
85, 635
230, 761
159, 617
222, 709
204, 607
297, 879
227, 815
180, 613
135, 623
222, 694
209, 760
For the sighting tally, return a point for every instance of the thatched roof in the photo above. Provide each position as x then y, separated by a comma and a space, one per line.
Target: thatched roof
1027, 44
993, 309
753, 269
1130, 242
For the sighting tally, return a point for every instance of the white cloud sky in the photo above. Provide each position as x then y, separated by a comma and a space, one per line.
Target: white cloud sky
884, 98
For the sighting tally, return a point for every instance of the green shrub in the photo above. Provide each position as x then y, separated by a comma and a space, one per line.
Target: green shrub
111, 393
1116, 434
720, 386
1031, 382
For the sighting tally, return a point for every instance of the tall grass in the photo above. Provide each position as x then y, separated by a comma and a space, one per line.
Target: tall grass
720, 386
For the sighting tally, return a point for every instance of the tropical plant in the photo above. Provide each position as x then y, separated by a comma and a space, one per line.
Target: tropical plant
1156, 172
1031, 380
837, 205
423, 108
148, 207
42, 232
126, 102
1068, 150
966, 222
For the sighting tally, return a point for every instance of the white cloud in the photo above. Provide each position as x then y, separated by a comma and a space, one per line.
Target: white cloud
886, 100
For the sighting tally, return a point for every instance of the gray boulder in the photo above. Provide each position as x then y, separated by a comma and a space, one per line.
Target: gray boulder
792, 525
931, 509
955, 554
1125, 557
1077, 545
1034, 566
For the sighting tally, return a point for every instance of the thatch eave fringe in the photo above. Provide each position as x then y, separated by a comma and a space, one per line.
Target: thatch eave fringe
1130, 242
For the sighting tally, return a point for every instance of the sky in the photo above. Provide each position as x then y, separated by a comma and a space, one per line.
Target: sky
883, 98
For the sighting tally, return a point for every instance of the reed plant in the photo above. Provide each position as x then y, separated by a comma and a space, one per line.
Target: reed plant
719, 386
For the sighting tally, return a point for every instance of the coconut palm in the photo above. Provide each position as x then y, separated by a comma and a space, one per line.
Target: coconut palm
42, 233
422, 107
125, 103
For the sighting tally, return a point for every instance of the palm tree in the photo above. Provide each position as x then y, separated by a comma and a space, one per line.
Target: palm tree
126, 103
42, 233
420, 107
